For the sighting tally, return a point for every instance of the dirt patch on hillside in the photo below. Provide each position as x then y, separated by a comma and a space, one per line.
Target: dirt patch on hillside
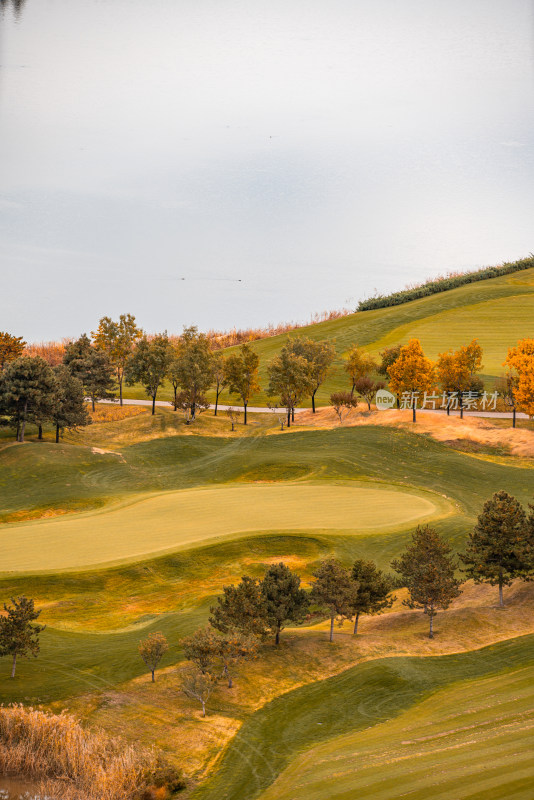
453, 431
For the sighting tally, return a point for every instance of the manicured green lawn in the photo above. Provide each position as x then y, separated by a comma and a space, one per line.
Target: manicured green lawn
177, 520
337, 716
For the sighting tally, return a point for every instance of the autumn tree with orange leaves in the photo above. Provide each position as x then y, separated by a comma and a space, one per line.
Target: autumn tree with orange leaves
412, 372
520, 359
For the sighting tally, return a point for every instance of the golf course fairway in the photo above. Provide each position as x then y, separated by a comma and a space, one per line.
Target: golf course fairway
174, 520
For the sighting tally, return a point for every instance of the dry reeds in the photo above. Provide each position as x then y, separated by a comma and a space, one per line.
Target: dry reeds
73, 762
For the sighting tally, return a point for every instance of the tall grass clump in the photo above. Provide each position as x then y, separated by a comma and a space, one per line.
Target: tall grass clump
443, 283
76, 763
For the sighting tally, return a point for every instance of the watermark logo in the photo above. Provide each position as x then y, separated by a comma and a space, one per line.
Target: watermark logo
384, 400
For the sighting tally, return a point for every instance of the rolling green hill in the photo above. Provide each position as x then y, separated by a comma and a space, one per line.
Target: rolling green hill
497, 312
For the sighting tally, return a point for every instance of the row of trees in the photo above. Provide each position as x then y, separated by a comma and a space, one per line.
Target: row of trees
455, 374
120, 353
499, 550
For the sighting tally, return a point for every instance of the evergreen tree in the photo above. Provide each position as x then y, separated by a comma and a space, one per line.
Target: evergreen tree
334, 590
18, 636
284, 601
27, 393
427, 567
149, 364
241, 608
374, 588
500, 546
11, 347
93, 368
242, 375
68, 409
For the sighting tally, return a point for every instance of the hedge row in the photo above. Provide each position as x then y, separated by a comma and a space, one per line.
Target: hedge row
443, 284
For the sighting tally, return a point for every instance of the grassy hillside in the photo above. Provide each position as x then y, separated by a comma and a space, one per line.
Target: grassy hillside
457, 743
498, 312
351, 702
122, 490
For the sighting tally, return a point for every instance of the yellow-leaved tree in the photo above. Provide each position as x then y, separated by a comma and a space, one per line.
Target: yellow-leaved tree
412, 373
521, 360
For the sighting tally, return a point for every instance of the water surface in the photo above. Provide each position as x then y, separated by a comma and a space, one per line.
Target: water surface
222, 161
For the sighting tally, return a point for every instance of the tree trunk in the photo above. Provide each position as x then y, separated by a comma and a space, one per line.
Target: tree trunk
277, 637
93, 402
57, 432
216, 402
233, 427
369, 404
245, 415
413, 410
448, 404
120, 391
313, 402
501, 601
153, 404
293, 414
513, 417
23, 426
13, 668
431, 631
289, 418
40, 434
175, 396
356, 622
153, 678
203, 708
332, 628
398, 402
461, 407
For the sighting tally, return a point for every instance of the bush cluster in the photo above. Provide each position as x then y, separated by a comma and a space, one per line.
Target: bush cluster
443, 284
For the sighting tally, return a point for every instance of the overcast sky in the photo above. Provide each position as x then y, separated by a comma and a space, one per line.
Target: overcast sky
281, 156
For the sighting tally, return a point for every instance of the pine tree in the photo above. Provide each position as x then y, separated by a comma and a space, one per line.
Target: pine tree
18, 636
283, 599
93, 368
27, 392
11, 347
427, 568
500, 547
334, 590
69, 409
374, 588
241, 608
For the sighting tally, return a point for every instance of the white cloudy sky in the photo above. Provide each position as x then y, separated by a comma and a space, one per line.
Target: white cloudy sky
314, 150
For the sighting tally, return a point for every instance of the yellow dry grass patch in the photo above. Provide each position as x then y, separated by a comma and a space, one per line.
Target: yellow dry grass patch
480, 430
114, 413
304, 656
